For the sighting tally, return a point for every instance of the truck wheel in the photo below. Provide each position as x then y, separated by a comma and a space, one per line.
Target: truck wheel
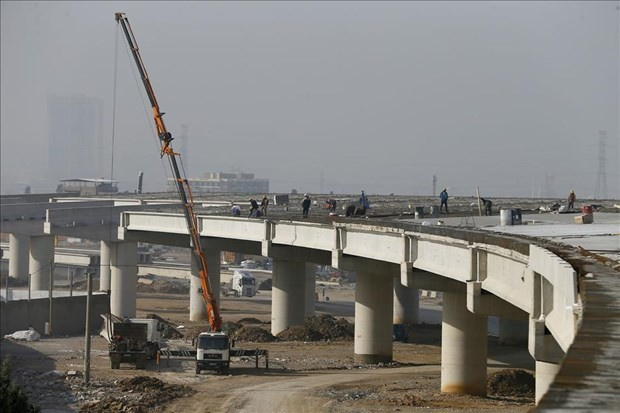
236, 293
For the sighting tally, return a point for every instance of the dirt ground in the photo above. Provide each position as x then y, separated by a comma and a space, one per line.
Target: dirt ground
302, 376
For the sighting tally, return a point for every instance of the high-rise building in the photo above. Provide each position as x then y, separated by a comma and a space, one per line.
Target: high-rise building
75, 137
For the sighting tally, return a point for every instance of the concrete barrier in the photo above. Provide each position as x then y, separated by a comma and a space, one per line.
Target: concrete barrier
68, 314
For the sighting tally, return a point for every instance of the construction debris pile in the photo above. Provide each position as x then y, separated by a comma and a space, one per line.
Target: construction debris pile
163, 286
140, 394
511, 383
322, 327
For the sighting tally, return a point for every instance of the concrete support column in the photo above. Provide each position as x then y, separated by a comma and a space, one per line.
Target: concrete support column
406, 304
104, 266
513, 332
197, 308
124, 278
545, 374
310, 288
463, 347
19, 253
41, 258
288, 296
373, 318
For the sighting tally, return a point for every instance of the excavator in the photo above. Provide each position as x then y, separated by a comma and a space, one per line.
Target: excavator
213, 350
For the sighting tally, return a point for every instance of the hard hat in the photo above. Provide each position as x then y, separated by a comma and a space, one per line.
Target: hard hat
305, 194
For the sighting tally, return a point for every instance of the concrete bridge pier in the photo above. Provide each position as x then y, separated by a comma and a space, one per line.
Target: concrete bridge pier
545, 375
41, 261
197, 308
104, 266
310, 288
288, 295
513, 332
406, 304
463, 347
19, 252
124, 278
373, 318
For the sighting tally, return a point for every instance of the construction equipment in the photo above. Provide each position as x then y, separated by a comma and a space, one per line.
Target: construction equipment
182, 184
128, 344
210, 349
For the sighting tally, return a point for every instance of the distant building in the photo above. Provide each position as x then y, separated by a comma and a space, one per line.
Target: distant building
85, 187
76, 143
220, 182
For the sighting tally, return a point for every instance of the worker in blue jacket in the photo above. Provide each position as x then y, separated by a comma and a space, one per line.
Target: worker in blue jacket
443, 197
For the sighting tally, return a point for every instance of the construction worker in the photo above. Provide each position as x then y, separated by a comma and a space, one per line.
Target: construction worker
443, 197
305, 205
331, 205
488, 204
571, 200
363, 201
263, 204
235, 210
253, 208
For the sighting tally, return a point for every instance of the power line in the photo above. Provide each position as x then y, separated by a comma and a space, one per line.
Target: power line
601, 177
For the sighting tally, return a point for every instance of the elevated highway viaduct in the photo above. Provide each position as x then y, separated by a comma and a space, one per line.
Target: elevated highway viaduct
568, 298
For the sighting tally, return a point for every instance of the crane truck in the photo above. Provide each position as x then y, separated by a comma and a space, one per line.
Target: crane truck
212, 347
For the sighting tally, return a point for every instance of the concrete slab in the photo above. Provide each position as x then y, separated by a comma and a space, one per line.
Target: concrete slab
602, 236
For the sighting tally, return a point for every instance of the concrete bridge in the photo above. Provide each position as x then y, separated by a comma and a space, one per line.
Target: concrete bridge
562, 300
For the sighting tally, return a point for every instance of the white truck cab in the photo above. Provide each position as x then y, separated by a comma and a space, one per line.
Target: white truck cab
212, 352
242, 284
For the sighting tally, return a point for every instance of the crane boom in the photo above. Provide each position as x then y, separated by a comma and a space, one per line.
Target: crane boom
183, 189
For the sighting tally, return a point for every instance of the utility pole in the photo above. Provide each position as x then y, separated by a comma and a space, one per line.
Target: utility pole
89, 287
140, 176
70, 281
7, 279
51, 289
601, 177
434, 185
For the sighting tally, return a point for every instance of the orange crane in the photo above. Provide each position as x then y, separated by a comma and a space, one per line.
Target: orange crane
185, 194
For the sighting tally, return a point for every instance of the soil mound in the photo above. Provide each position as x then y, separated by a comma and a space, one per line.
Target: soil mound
255, 334
164, 287
141, 383
250, 320
319, 328
265, 285
230, 328
511, 383
299, 333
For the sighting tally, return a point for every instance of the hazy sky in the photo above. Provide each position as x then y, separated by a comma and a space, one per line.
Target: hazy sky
507, 96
